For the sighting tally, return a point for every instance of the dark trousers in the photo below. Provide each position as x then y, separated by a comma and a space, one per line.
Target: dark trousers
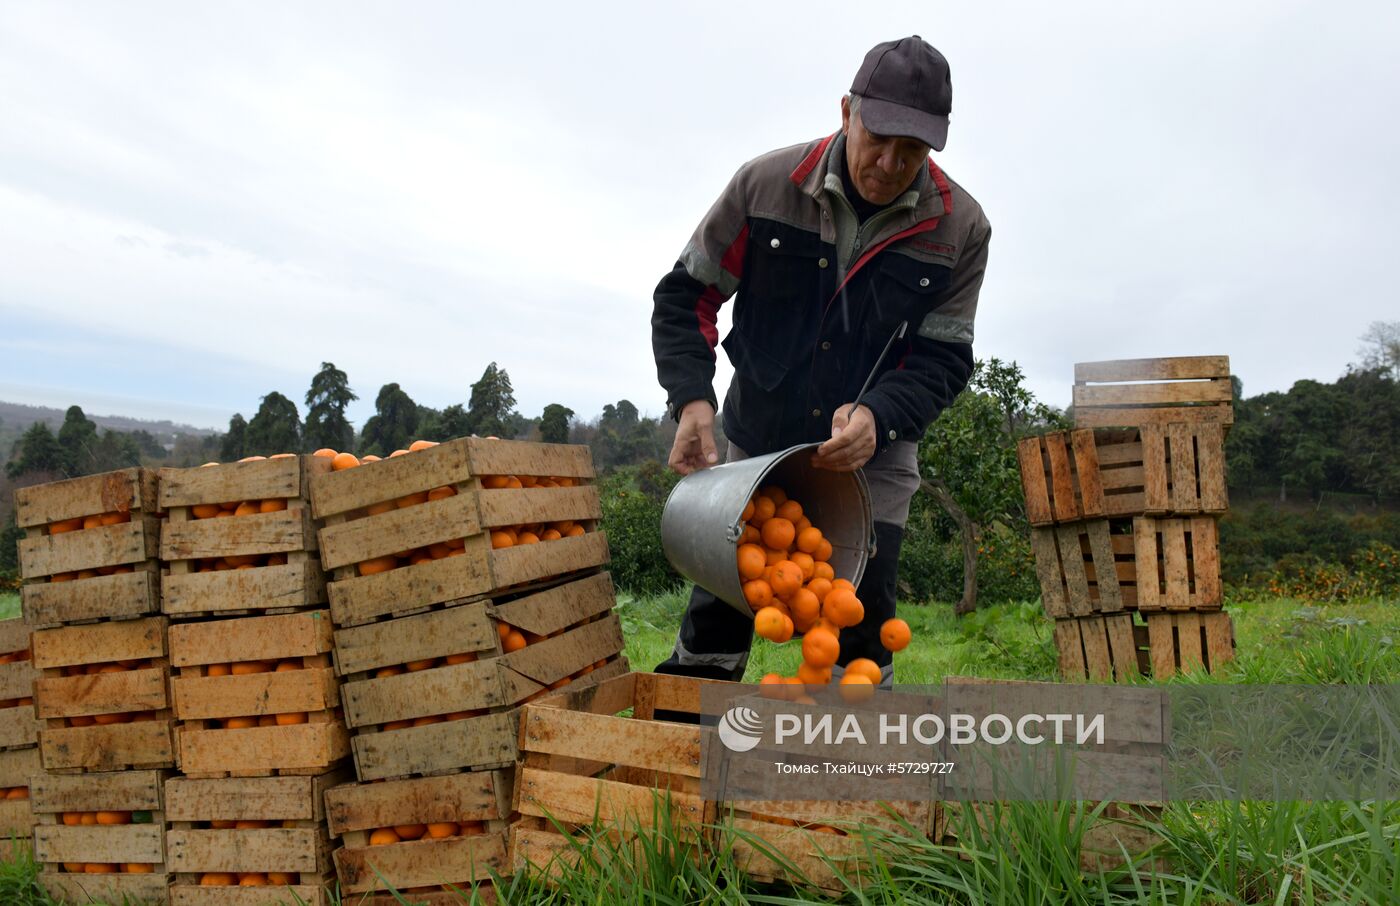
715, 638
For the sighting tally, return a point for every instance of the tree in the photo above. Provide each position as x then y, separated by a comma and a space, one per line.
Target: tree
1380, 347
454, 422
78, 438
554, 424
275, 428
393, 425
326, 401
115, 450
148, 445
968, 458
234, 445
37, 452
492, 404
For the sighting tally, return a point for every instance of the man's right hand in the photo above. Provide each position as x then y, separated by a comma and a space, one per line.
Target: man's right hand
694, 447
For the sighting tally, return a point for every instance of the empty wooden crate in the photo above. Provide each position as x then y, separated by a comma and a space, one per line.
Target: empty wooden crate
1135, 392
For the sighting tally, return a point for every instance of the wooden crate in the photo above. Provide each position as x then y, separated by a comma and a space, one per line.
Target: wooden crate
257, 562
481, 800
114, 718
61, 845
1189, 641
1101, 647
18, 767
1176, 468
457, 525
249, 825
18, 726
105, 571
1086, 567
582, 760
1177, 564
462, 715
229, 723
1135, 392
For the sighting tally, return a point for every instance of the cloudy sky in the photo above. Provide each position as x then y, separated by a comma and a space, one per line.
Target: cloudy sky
200, 203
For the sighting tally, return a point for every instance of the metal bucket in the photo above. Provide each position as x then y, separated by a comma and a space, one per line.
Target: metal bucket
700, 526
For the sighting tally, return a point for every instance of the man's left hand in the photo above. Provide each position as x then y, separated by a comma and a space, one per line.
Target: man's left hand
852, 441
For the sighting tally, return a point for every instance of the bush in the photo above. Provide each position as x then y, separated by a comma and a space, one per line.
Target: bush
10, 536
1372, 572
931, 568
633, 498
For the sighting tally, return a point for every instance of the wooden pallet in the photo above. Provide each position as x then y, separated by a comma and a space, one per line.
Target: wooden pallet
284, 832
18, 726
107, 721
18, 768
1183, 642
1177, 564
311, 736
1101, 647
461, 522
583, 761
463, 715
102, 572
261, 562
481, 800
1085, 568
1177, 468
1134, 392
60, 846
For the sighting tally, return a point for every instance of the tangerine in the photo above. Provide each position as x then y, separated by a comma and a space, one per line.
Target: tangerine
751, 559
778, 533
865, 667
856, 687
758, 593
843, 608
787, 578
763, 510
809, 539
343, 461
895, 634
790, 510
768, 624
820, 648
808, 675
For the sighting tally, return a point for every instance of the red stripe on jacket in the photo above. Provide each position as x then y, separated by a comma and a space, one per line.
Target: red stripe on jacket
707, 306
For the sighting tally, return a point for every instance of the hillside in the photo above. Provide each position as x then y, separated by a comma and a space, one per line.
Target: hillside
15, 419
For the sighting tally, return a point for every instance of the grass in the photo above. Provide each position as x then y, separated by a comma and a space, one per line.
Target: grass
9, 605
1212, 853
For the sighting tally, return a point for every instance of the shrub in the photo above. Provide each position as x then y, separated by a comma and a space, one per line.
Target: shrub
633, 498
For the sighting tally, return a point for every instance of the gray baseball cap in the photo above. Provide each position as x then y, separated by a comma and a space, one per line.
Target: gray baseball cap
906, 89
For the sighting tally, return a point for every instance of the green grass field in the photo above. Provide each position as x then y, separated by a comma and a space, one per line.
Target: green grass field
1212, 853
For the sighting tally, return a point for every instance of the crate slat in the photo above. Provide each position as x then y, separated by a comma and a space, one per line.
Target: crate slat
126, 490
311, 747
97, 643
281, 532
102, 693
259, 638
123, 544
421, 863
115, 597
116, 747
289, 585
239, 481
1158, 369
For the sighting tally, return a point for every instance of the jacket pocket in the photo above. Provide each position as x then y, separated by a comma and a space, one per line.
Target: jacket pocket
753, 364
903, 290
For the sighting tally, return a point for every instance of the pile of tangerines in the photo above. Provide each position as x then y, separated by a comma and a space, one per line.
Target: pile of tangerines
784, 564
108, 818
79, 523
248, 668
506, 536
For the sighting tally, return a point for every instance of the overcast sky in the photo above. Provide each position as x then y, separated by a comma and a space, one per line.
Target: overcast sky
200, 203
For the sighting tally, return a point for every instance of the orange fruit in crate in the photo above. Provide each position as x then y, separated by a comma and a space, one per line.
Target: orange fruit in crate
289, 664
527, 538
409, 500
248, 668
72, 819
421, 664
139, 868
92, 522
327, 452
410, 831
343, 461
267, 720
777, 533
65, 525
379, 509
88, 819
856, 687
291, 718
500, 540
758, 593
240, 723
514, 641
370, 458
376, 566
864, 666
809, 539
751, 559
383, 836
472, 828
247, 508
843, 608
282, 878
787, 578
109, 818
550, 535
391, 670
18, 792
820, 648
465, 657
421, 445
440, 829
813, 676
272, 505
217, 879
252, 879
769, 623
442, 493
790, 510
895, 634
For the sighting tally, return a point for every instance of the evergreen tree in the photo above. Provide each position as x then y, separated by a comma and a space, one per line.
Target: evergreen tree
455, 422
326, 401
492, 404
78, 438
234, 443
37, 452
275, 428
115, 450
393, 425
554, 424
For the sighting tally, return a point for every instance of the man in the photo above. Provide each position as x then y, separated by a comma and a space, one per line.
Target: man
829, 246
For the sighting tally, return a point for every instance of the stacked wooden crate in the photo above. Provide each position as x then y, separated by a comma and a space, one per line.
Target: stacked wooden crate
611, 756
465, 579
91, 582
1124, 513
19, 735
260, 733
